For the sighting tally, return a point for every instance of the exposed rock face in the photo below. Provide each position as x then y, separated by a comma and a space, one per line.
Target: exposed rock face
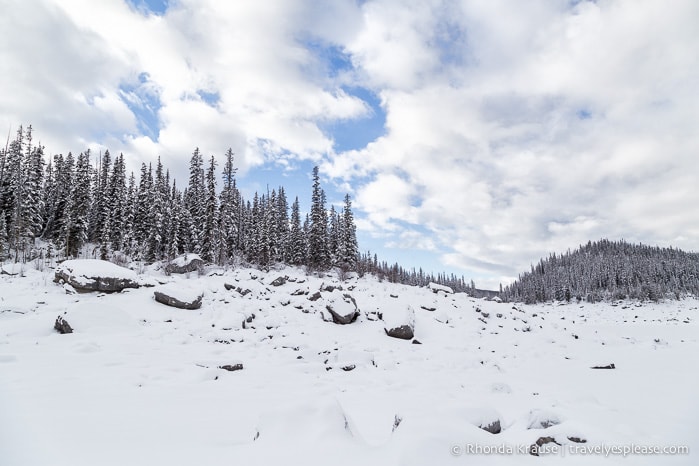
179, 298
184, 264
536, 448
62, 326
315, 296
95, 275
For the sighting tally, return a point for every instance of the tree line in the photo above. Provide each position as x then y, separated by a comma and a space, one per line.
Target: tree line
78, 209
604, 270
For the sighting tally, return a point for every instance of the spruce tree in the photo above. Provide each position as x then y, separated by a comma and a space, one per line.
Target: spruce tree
318, 256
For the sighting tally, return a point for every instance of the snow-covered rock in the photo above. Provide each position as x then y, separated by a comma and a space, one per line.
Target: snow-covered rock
179, 296
400, 323
435, 287
542, 419
343, 311
95, 275
485, 418
184, 264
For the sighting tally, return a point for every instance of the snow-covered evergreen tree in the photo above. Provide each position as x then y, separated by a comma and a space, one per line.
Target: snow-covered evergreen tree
318, 256
78, 206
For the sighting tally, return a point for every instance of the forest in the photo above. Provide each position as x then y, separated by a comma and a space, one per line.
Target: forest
64, 206
609, 270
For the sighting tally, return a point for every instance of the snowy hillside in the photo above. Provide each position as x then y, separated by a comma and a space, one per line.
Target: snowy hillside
262, 373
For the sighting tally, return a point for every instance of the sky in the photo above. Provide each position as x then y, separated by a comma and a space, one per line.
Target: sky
474, 136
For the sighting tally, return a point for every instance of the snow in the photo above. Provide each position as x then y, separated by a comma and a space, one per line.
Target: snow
138, 383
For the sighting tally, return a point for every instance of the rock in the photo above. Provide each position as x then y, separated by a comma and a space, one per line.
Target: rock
609, 366
493, 427
315, 296
232, 367
542, 419
435, 287
343, 311
431, 309
299, 292
228, 286
279, 281
184, 264
349, 367
400, 324
95, 275
179, 297
535, 449
62, 326
577, 440
331, 288
417, 342
404, 332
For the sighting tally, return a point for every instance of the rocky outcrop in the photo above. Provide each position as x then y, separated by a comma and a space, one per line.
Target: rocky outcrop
232, 367
86, 275
279, 281
185, 263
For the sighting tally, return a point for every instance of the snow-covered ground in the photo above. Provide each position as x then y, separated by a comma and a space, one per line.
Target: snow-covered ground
139, 383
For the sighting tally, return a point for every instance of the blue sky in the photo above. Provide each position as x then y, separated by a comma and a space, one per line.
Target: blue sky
473, 137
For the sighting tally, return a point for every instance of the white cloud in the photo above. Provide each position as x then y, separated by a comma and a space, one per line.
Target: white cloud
512, 128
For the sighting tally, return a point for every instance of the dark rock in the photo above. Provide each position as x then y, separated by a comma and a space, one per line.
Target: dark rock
393, 295
609, 366
431, 309
348, 367
232, 367
404, 332
331, 288
541, 441
164, 298
577, 440
299, 292
62, 326
279, 281
417, 342
494, 427
315, 296
228, 286
184, 264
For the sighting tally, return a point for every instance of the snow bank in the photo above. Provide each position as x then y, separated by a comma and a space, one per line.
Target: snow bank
435, 287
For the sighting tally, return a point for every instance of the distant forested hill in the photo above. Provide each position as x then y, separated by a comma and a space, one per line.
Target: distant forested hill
609, 270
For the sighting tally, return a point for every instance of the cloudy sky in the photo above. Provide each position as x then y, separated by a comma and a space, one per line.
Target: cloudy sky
475, 136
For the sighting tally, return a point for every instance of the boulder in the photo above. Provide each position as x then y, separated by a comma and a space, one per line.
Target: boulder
232, 367
538, 446
279, 281
315, 296
95, 275
343, 311
184, 264
435, 287
62, 326
179, 297
542, 419
400, 323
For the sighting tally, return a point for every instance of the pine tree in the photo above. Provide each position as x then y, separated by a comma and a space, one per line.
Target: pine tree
349, 249
297, 245
4, 246
77, 207
195, 199
228, 212
209, 238
318, 256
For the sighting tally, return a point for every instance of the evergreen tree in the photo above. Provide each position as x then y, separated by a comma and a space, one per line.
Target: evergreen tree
209, 238
78, 207
349, 249
318, 256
